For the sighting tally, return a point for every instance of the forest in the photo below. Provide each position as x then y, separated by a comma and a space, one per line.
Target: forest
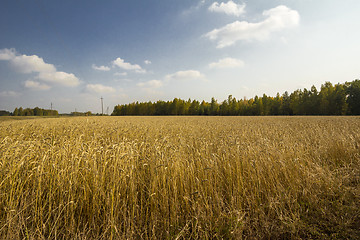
338, 99
34, 112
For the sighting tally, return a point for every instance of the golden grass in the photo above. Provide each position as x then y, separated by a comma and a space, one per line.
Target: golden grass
180, 178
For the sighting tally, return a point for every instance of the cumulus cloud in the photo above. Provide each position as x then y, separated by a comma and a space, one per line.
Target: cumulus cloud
185, 75
9, 94
127, 66
100, 68
229, 8
34, 64
24, 63
99, 88
150, 84
66, 79
227, 63
147, 62
277, 19
36, 85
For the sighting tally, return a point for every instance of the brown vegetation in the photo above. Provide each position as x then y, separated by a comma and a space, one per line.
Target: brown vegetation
180, 178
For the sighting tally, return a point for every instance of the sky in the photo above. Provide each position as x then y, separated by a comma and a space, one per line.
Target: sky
71, 53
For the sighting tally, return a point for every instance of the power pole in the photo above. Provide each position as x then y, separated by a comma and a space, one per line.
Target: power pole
51, 106
102, 106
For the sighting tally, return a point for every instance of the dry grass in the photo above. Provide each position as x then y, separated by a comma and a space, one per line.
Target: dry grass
180, 178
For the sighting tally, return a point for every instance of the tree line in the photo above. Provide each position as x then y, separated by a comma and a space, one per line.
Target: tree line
34, 112
5, 113
338, 99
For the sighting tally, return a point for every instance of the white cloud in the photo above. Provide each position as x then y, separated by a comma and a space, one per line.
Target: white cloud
100, 68
229, 8
99, 88
9, 94
120, 74
29, 64
24, 63
185, 75
277, 19
63, 78
227, 63
36, 85
7, 54
127, 66
147, 62
141, 71
150, 84
34, 64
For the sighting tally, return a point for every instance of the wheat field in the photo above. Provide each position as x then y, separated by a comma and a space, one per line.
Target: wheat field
180, 178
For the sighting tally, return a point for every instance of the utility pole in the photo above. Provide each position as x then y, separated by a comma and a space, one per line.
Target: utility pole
51, 106
102, 106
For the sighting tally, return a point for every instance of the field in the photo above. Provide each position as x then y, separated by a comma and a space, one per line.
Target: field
180, 178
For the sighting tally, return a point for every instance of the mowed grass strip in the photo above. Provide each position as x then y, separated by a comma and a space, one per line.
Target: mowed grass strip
180, 178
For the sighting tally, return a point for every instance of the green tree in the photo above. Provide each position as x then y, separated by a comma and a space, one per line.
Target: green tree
204, 108
214, 107
314, 101
266, 105
38, 111
276, 105
234, 107
325, 98
285, 108
295, 102
353, 97
224, 108
338, 100
21, 112
16, 112
258, 107
194, 107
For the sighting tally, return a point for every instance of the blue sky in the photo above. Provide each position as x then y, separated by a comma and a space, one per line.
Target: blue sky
70, 53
